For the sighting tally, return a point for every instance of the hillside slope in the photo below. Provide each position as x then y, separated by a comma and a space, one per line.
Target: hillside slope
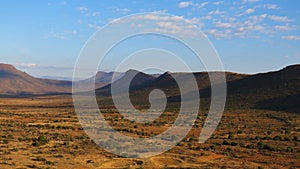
15, 82
277, 90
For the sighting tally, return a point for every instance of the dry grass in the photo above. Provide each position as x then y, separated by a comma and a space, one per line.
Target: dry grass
244, 139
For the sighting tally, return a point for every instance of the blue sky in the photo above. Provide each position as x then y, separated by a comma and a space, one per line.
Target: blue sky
45, 38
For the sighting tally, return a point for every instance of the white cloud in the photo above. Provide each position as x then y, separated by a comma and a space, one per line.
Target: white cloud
207, 17
258, 18
219, 34
223, 24
122, 10
291, 37
256, 28
82, 9
160, 11
218, 2
250, 1
193, 20
285, 27
62, 35
201, 5
25, 65
185, 4
55, 35
157, 17
216, 12
170, 26
94, 26
95, 13
279, 18
165, 24
247, 12
271, 6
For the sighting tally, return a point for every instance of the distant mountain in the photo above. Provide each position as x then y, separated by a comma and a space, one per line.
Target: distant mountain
277, 90
142, 84
57, 78
103, 78
13, 81
137, 79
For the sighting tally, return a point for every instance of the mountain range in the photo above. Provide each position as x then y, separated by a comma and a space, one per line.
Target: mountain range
277, 90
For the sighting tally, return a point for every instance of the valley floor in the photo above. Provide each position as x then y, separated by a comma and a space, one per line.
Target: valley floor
43, 132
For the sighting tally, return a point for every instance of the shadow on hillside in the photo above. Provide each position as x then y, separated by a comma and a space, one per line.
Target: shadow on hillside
287, 103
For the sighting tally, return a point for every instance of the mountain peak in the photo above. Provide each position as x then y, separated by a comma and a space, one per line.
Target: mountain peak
7, 67
132, 71
292, 68
14, 81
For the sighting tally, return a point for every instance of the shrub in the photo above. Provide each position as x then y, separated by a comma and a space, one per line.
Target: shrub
295, 138
50, 163
41, 140
225, 142
277, 138
213, 147
230, 135
233, 144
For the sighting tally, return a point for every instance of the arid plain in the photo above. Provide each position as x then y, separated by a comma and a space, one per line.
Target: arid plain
43, 132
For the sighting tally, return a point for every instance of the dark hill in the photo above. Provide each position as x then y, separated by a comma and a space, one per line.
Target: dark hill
277, 90
139, 79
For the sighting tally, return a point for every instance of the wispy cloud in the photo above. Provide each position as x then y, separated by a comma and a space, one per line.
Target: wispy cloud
94, 26
201, 5
25, 65
175, 25
279, 18
216, 12
62, 35
82, 9
258, 18
195, 21
184, 4
93, 14
271, 6
121, 10
219, 34
250, 1
223, 24
286, 27
247, 12
218, 2
291, 37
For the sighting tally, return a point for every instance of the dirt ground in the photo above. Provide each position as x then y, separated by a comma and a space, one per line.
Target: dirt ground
44, 132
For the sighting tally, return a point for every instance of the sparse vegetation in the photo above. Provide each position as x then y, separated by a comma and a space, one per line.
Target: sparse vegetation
50, 137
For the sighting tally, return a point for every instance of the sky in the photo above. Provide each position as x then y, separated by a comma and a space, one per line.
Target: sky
44, 38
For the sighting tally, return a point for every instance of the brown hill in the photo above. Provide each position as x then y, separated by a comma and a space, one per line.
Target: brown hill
143, 84
15, 82
278, 90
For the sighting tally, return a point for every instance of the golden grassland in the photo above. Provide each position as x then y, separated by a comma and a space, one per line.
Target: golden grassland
44, 132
